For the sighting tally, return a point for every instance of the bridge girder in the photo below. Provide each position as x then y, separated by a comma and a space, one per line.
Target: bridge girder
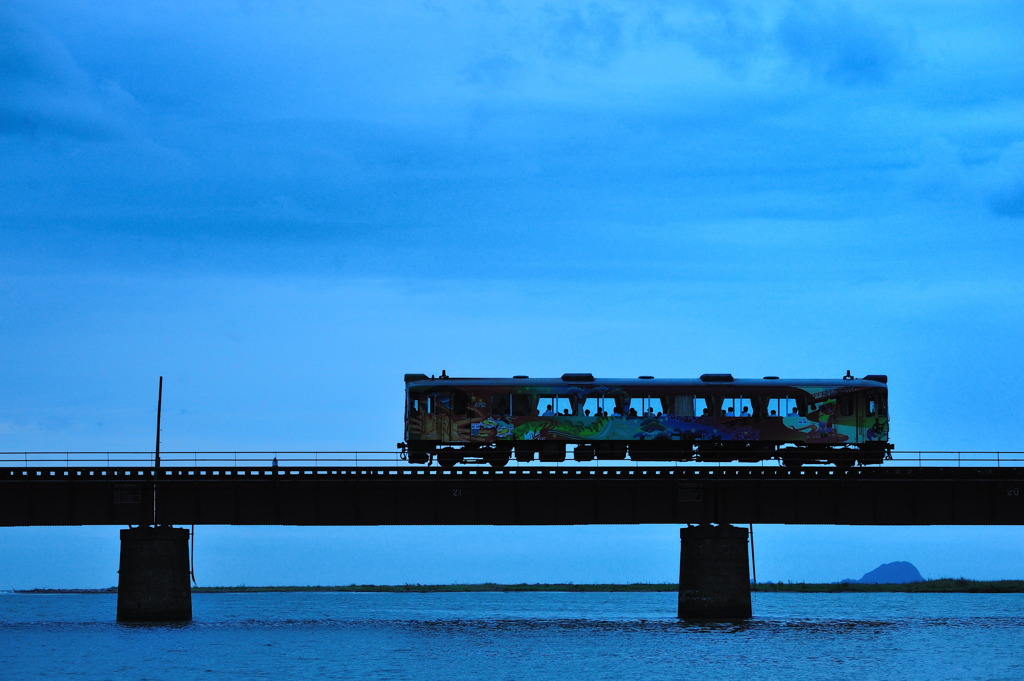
564, 495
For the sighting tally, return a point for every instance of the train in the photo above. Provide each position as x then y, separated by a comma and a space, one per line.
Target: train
713, 418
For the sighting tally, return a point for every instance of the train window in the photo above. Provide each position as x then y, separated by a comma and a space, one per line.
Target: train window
651, 406
593, 406
637, 407
524, 405
558, 405
608, 406
460, 404
439, 402
512, 405
875, 405
701, 406
846, 406
737, 406
682, 405
783, 406
685, 405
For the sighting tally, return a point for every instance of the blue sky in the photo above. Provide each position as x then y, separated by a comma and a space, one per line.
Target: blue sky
283, 207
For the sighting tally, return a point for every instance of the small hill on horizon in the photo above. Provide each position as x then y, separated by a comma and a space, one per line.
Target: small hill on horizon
900, 572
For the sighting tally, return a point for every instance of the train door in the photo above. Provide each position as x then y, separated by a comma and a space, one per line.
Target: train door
439, 406
847, 415
859, 409
876, 428
870, 414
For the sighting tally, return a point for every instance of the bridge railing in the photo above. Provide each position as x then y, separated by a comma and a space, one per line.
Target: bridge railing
243, 459
958, 458
218, 459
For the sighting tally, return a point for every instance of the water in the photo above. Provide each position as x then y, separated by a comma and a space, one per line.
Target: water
545, 636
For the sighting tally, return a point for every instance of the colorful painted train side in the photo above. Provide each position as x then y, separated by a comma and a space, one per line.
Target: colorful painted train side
714, 418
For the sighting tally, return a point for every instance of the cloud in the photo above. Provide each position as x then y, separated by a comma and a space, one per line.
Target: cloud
590, 32
732, 33
840, 46
492, 69
1005, 180
939, 173
943, 175
43, 90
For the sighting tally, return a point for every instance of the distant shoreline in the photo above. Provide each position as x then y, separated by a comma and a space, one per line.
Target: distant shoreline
928, 586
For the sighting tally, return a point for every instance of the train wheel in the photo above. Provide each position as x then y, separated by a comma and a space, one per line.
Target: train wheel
448, 457
525, 452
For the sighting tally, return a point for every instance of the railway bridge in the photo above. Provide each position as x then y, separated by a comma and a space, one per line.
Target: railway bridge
713, 502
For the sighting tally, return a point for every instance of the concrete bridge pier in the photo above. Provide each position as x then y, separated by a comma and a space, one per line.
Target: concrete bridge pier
714, 575
153, 578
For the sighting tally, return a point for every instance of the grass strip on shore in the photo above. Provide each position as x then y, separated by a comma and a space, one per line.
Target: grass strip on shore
928, 586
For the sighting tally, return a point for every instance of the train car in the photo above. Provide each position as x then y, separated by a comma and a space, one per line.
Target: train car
715, 417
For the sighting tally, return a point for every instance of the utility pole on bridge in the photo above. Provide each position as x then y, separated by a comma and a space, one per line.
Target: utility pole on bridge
153, 578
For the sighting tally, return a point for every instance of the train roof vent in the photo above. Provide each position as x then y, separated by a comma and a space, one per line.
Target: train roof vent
881, 378
645, 377
771, 378
520, 377
577, 378
409, 378
716, 378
